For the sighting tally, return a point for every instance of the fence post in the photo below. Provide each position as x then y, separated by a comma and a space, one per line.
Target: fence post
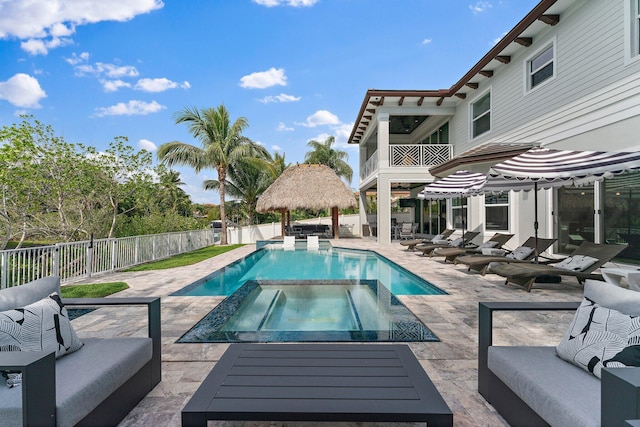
56, 260
136, 250
114, 254
5, 269
90, 257
153, 248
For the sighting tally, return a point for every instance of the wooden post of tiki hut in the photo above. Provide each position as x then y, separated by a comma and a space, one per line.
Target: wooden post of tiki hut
307, 187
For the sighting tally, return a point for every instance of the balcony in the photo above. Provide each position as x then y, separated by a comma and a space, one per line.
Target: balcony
411, 155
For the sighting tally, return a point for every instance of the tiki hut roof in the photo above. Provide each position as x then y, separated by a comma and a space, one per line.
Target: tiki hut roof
306, 187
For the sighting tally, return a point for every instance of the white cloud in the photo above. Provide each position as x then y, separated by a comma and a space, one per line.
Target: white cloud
113, 85
22, 90
283, 128
276, 148
293, 3
496, 40
52, 19
426, 41
321, 118
41, 46
264, 79
109, 70
280, 98
131, 108
78, 59
480, 7
145, 144
159, 85
342, 133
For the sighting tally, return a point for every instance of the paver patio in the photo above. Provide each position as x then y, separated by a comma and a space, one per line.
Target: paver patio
451, 363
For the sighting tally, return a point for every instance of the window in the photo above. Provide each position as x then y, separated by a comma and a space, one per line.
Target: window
481, 115
541, 67
496, 208
459, 211
441, 136
632, 29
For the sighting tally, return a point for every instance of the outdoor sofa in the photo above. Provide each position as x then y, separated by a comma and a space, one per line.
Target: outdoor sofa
523, 253
581, 264
533, 386
96, 385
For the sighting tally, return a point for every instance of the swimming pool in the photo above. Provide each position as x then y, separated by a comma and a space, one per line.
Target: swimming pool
312, 310
327, 263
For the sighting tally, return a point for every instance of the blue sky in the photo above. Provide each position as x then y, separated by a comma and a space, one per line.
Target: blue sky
297, 70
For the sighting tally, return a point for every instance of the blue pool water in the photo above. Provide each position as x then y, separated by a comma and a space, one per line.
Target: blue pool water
312, 310
327, 263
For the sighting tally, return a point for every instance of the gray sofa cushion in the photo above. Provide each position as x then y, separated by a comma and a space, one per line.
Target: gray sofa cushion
614, 297
19, 296
561, 393
85, 378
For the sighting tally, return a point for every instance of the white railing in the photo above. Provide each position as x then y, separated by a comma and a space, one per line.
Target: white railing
369, 166
77, 260
419, 155
409, 155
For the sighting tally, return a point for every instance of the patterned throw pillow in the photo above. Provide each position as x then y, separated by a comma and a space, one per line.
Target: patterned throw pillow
521, 253
576, 263
601, 337
41, 326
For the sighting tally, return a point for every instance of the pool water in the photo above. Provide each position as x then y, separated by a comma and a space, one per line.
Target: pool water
336, 310
327, 263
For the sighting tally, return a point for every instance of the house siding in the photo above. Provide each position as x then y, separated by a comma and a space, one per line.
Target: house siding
590, 74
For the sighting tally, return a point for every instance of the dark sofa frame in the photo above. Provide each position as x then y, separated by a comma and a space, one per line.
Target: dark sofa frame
39, 374
620, 387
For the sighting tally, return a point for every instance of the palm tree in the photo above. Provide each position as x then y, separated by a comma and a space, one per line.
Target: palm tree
249, 178
222, 146
324, 154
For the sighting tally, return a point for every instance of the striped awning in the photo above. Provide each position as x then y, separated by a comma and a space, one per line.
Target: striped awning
551, 168
459, 184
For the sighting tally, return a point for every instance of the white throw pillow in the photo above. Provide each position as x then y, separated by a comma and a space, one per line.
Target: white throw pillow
437, 237
576, 263
488, 244
601, 337
521, 253
457, 242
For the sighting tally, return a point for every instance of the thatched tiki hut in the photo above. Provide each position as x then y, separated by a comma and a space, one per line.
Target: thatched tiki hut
307, 187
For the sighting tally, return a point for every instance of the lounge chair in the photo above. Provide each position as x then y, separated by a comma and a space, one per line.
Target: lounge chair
460, 242
406, 232
580, 264
312, 243
289, 243
411, 244
495, 242
522, 254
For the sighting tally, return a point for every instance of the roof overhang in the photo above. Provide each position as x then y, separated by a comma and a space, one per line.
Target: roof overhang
520, 36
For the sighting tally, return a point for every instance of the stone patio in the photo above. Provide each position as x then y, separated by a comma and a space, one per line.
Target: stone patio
451, 363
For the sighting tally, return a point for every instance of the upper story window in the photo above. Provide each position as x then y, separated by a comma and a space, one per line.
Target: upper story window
481, 115
541, 67
632, 29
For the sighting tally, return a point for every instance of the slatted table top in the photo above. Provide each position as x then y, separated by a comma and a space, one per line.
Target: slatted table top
318, 382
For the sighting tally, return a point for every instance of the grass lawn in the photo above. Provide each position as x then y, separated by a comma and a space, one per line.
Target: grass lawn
185, 259
97, 290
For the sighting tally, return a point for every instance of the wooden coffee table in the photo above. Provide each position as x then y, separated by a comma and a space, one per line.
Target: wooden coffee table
318, 382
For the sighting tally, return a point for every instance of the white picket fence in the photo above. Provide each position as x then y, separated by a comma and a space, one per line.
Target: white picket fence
77, 260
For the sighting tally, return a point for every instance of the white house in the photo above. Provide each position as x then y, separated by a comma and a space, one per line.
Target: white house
567, 76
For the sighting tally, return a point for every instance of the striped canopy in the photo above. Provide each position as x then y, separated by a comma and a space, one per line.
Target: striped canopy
552, 168
458, 184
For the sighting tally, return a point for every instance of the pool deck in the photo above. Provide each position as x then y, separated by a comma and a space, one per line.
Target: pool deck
450, 363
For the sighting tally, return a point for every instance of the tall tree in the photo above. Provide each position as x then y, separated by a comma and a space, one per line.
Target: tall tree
324, 154
222, 145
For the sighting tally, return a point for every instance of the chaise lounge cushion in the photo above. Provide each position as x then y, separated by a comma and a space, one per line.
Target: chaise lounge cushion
520, 253
87, 378
576, 263
561, 393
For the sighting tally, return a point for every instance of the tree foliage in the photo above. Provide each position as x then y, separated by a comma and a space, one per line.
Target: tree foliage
53, 190
323, 153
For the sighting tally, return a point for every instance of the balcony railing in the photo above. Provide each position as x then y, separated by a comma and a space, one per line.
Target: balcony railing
410, 155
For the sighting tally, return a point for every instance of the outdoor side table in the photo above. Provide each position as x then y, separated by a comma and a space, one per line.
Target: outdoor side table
318, 382
615, 275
